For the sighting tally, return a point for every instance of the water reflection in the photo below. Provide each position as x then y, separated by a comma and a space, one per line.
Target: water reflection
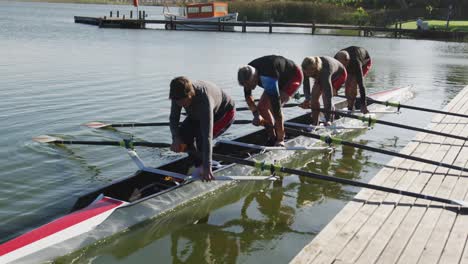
197, 235
346, 162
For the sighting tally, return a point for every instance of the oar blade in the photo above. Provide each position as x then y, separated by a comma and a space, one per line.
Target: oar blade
460, 203
96, 125
246, 178
46, 139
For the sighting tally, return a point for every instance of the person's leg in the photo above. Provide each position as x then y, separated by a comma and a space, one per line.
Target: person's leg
292, 86
351, 91
189, 132
366, 68
315, 103
221, 125
264, 109
339, 81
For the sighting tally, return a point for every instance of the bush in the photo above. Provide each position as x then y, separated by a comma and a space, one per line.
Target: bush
361, 16
305, 12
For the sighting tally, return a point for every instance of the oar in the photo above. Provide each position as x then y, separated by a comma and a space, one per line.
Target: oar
284, 106
123, 143
277, 168
311, 127
329, 140
370, 121
181, 177
398, 105
96, 124
268, 148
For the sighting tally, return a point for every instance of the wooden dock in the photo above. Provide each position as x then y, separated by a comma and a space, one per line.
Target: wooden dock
377, 227
250, 26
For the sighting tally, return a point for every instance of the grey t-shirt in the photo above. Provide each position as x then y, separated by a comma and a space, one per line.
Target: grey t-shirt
331, 70
209, 104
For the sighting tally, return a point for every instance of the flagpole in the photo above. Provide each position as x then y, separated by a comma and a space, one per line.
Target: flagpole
136, 4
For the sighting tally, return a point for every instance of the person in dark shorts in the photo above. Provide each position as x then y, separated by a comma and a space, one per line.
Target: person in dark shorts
210, 112
280, 78
329, 75
358, 63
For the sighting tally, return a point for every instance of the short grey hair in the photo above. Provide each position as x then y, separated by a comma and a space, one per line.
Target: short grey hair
245, 73
342, 55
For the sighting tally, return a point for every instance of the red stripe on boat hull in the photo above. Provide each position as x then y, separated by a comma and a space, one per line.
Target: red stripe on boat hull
60, 224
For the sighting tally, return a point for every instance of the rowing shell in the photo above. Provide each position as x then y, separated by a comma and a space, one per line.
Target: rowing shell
132, 200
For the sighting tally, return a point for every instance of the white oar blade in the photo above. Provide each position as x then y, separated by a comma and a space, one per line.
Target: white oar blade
311, 127
461, 203
46, 139
96, 125
297, 148
246, 178
347, 127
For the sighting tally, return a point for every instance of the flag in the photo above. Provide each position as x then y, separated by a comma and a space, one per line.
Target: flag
135, 3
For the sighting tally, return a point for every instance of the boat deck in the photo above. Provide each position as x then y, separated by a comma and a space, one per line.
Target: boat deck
377, 227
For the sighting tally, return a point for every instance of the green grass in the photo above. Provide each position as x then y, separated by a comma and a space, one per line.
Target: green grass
439, 25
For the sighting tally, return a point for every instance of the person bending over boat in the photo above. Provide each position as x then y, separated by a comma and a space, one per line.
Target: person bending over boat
358, 63
329, 75
280, 78
210, 112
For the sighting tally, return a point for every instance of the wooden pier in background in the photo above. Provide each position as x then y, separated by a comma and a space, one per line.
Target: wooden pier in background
378, 227
243, 26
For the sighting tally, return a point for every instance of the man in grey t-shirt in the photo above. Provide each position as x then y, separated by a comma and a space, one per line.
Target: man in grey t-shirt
210, 111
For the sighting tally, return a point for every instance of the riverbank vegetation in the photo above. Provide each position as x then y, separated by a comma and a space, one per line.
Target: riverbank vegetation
355, 12
439, 25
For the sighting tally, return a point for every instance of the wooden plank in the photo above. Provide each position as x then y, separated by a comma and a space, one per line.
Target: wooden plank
398, 241
388, 228
311, 251
371, 252
322, 240
361, 239
417, 246
353, 227
420, 237
386, 231
403, 233
453, 106
457, 236
396, 161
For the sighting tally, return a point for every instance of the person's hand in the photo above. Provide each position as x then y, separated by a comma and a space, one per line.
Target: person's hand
207, 174
178, 146
257, 120
305, 105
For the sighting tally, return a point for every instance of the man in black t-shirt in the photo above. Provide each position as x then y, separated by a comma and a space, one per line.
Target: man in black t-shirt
358, 63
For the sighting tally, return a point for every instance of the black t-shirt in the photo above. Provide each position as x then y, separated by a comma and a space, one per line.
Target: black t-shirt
275, 67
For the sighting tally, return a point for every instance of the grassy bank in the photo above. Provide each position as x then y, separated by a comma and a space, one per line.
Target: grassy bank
440, 25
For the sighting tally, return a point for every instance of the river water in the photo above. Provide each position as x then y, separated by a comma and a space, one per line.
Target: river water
56, 75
